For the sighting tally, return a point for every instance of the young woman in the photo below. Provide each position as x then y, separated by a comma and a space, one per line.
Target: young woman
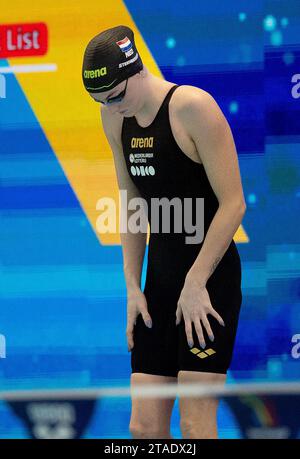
172, 143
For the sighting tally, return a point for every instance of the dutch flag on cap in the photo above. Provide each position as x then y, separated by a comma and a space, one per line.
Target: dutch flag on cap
125, 44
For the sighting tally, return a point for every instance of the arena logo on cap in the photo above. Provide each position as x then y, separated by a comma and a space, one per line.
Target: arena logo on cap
95, 73
126, 46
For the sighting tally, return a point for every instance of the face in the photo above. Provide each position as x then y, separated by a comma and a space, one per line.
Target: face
126, 91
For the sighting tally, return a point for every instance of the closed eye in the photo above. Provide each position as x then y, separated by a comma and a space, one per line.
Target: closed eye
113, 98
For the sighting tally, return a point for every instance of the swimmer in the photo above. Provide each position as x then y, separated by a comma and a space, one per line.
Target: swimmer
172, 141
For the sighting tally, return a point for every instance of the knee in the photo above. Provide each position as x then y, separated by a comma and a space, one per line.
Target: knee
198, 430
147, 431
187, 428
139, 431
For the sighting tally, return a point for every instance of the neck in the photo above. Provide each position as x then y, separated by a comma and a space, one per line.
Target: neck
155, 90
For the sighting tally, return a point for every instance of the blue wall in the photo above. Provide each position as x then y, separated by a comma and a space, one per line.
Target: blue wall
67, 328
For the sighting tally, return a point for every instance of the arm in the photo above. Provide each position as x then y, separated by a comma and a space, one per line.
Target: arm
133, 245
211, 134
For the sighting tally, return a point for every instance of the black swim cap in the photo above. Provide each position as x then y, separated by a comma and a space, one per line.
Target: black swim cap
110, 57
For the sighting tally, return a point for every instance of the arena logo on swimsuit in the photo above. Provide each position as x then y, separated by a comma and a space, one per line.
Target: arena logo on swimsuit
141, 142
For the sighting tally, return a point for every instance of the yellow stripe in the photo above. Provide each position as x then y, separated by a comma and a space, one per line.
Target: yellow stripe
66, 113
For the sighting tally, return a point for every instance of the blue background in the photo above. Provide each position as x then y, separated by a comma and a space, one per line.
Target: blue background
62, 312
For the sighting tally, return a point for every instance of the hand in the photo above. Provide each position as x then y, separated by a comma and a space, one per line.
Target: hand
136, 304
194, 303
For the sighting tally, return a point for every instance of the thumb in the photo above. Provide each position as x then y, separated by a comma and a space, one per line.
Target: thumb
146, 317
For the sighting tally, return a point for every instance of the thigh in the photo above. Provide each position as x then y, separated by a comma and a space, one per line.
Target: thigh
155, 349
198, 414
217, 355
149, 413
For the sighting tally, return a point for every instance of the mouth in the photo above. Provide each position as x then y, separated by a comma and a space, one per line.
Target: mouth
123, 111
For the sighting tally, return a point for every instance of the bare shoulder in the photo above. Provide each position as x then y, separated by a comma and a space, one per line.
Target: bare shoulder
197, 111
186, 97
191, 91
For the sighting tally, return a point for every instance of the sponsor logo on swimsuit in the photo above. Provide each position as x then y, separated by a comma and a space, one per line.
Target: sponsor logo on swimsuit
202, 354
142, 142
142, 170
140, 157
95, 73
125, 46
139, 170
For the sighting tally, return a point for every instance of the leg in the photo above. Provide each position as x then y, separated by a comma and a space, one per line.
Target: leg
150, 418
198, 415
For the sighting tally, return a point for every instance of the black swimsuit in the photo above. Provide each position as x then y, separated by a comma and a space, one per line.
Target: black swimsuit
159, 168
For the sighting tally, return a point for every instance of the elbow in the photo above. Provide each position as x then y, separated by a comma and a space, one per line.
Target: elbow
242, 210
240, 204
243, 207
238, 207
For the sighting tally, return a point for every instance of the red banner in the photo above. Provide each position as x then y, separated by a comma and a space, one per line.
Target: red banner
18, 40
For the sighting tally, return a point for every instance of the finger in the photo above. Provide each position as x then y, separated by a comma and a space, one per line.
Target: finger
147, 318
188, 331
199, 332
131, 322
130, 342
217, 316
207, 326
129, 334
178, 315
